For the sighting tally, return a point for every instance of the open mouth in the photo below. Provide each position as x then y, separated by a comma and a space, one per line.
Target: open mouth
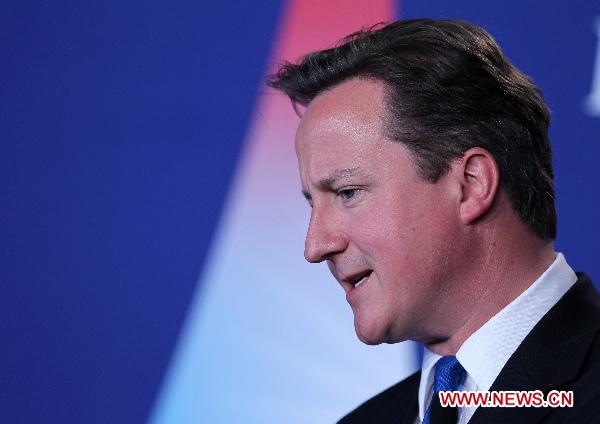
360, 279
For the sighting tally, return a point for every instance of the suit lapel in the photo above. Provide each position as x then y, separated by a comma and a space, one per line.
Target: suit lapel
396, 405
410, 408
551, 355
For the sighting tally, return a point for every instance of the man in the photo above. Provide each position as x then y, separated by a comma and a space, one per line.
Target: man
424, 155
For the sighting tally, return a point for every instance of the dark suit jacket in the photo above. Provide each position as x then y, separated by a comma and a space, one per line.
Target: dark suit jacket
562, 352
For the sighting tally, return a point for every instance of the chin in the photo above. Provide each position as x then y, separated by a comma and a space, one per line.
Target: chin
369, 341
369, 334
374, 333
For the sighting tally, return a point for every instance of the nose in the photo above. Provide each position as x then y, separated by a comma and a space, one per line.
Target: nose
323, 238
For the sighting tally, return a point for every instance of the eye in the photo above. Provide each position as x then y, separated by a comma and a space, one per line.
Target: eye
348, 194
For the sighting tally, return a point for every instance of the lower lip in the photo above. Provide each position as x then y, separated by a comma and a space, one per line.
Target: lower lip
354, 291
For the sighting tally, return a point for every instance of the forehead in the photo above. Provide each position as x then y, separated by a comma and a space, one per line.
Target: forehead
352, 110
357, 101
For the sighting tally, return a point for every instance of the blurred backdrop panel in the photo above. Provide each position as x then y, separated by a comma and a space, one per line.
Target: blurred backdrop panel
269, 338
151, 218
120, 128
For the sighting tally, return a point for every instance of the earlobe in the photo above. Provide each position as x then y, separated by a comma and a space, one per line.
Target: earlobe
480, 178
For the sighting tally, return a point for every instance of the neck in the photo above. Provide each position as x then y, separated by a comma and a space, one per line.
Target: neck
504, 266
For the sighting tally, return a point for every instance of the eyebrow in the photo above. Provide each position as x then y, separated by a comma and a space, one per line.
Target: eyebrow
331, 179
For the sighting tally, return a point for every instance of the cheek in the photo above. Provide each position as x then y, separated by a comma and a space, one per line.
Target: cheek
403, 239
374, 232
388, 226
386, 240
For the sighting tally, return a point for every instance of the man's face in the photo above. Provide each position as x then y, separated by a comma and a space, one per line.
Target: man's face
387, 235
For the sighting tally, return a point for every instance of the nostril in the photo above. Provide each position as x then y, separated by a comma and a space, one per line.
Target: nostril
319, 250
311, 253
323, 238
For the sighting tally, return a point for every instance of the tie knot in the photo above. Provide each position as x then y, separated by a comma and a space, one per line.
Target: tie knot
448, 374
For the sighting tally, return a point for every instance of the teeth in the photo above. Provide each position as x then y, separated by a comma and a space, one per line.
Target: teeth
362, 280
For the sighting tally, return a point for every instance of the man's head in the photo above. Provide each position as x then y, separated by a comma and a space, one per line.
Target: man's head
448, 88
413, 136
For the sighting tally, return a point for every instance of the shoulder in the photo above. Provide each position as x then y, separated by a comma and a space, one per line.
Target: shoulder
585, 392
397, 401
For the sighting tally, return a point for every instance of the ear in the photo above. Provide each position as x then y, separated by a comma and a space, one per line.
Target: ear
480, 178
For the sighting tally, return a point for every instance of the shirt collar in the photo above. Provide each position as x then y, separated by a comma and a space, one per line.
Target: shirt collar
426, 384
485, 352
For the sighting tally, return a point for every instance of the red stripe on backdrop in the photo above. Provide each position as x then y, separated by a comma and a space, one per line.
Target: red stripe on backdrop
314, 24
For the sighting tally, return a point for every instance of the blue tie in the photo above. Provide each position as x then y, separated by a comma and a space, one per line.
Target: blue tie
448, 375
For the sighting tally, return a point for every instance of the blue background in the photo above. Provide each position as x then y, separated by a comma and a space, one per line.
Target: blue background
121, 127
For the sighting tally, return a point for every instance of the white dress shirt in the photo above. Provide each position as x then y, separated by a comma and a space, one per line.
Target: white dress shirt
485, 352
